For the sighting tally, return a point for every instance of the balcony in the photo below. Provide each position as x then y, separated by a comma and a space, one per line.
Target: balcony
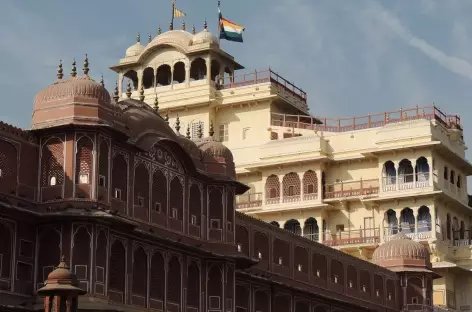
352, 189
352, 237
252, 200
366, 122
422, 232
405, 182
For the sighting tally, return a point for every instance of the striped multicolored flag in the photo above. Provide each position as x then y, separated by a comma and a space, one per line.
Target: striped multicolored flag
229, 30
178, 13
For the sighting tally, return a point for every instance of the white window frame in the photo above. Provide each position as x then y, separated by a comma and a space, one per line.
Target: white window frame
102, 181
116, 193
83, 175
223, 132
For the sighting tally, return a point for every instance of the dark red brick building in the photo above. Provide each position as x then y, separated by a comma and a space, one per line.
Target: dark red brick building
146, 219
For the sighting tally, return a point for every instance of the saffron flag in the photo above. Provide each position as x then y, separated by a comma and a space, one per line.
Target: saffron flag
229, 30
178, 13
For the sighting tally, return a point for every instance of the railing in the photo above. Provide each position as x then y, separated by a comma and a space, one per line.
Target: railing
462, 238
353, 237
366, 122
257, 77
418, 307
352, 188
250, 200
312, 236
291, 198
405, 181
422, 232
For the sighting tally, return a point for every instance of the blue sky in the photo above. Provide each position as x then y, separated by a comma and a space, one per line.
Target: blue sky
353, 57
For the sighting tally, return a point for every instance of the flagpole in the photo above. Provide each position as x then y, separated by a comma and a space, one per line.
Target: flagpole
219, 26
172, 16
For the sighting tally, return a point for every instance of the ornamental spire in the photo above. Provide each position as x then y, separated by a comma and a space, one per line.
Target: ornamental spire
102, 82
211, 132
183, 25
149, 38
138, 37
73, 73
166, 118
141, 94
86, 65
188, 132
200, 131
177, 124
60, 71
159, 30
205, 25
194, 31
128, 90
116, 95
171, 25
156, 104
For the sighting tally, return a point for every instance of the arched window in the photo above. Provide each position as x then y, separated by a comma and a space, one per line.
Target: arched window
392, 222
389, 173
293, 226
424, 219
179, 72
198, 69
163, 75
452, 177
275, 223
132, 77
422, 170
405, 174
407, 221
117, 275
272, 187
446, 172
148, 78
448, 226
291, 187
311, 230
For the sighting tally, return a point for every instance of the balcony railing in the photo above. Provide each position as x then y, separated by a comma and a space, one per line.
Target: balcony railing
312, 236
366, 122
405, 182
250, 200
352, 188
418, 308
421, 232
352, 237
261, 76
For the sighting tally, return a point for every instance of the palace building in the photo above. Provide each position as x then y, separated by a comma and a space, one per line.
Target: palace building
348, 183
150, 213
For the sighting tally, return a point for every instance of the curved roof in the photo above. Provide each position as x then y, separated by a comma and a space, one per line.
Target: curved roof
134, 50
204, 37
402, 252
74, 100
180, 39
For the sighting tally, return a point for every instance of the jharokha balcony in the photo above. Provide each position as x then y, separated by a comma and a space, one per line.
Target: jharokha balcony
352, 188
365, 122
352, 237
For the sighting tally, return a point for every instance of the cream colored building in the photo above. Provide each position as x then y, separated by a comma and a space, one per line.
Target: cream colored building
349, 183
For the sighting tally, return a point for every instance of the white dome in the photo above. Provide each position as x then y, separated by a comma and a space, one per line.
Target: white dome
204, 37
134, 50
181, 36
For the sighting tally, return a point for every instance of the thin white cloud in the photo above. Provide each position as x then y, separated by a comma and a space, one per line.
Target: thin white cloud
451, 63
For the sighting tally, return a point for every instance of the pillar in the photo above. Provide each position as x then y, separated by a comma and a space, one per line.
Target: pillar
302, 226
140, 78
432, 212
120, 83
415, 215
187, 75
208, 68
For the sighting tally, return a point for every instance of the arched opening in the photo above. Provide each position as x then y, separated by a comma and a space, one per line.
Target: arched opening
8, 167
452, 177
311, 229
337, 272
405, 174
275, 223
365, 282
293, 226
176, 199
392, 222
193, 287
140, 273
229, 210
390, 291
103, 167
352, 277
163, 75
282, 303
174, 288
414, 291
215, 208
301, 260
389, 175
159, 192
459, 181
141, 192
455, 228
215, 69
156, 286
242, 298
49, 252
198, 69
310, 185
215, 287
131, 77
52, 163
281, 252
272, 187
179, 72
291, 187
81, 255
462, 230
101, 252
407, 221
261, 301
424, 219
148, 78
119, 178
117, 275
6, 250
378, 286
320, 266
261, 247
446, 173
323, 184
242, 239
195, 205
422, 171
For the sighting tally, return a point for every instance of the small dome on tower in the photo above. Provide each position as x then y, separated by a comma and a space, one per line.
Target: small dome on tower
204, 37
402, 252
135, 50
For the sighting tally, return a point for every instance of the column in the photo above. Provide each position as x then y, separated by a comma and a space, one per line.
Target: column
382, 229
120, 84
432, 212
319, 221
208, 69
187, 75
415, 214
397, 180
281, 187
320, 186
302, 227
140, 79
431, 171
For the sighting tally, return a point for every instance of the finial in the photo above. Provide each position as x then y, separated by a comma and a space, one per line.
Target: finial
405, 115
156, 104
171, 25
159, 30
200, 131
211, 131
116, 95
141, 93
60, 71
205, 25
63, 258
102, 82
128, 90
388, 117
183, 25
166, 118
63, 264
138, 38
149, 38
194, 31
423, 114
177, 124
86, 65
73, 73
188, 132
